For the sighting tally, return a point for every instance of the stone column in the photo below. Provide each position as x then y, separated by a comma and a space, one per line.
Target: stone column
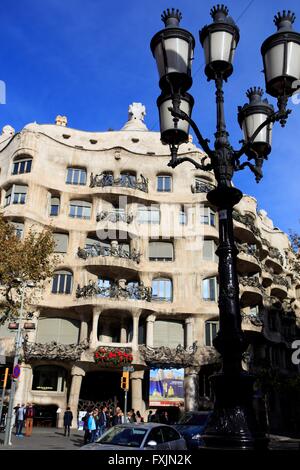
150, 329
77, 373
189, 324
123, 331
94, 333
137, 402
83, 328
191, 388
135, 336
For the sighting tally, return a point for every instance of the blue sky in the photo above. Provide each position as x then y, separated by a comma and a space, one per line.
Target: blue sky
89, 59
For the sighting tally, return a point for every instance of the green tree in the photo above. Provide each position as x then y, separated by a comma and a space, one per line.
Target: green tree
24, 260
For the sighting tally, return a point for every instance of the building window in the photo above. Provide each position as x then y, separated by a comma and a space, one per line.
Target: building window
76, 176
49, 378
209, 289
164, 183
182, 216
22, 165
168, 333
16, 194
62, 282
80, 209
211, 330
61, 242
149, 215
162, 289
208, 216
54, 206
161, 251
209, 250
60, 330
19, 229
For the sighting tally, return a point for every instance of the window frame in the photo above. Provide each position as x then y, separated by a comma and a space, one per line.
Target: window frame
74, 204
19, 162
163, 298
62, 280
74, 176
215, 289
163, 178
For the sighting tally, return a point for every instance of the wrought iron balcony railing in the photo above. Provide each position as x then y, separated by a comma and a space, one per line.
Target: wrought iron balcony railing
251, 281
202, 187
253, 317
115, 291
248, 249
125, 181
281, 281
115, 216
247, 220
275, 253
118, 252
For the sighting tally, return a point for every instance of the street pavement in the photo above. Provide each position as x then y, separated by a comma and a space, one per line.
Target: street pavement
54, 439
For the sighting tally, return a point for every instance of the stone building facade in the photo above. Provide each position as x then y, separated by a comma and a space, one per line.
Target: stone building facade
137, 270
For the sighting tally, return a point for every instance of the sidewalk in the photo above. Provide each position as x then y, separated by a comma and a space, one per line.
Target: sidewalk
45, 439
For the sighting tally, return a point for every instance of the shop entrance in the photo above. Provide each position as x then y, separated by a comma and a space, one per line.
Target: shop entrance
45, 416
101, 388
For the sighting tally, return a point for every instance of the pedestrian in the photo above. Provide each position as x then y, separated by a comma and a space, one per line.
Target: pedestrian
139, 418
68, 418
16, 408
20, 418
29, 415
131, 416
150, 416
118, 416
92, 426
102, 421
85, 420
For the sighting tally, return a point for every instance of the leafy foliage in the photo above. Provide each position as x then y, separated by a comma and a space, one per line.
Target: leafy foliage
27, 260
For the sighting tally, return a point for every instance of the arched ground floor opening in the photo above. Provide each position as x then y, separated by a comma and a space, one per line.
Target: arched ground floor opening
102, 388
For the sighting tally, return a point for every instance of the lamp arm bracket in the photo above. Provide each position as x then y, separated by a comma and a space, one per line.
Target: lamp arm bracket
255, 168
200, 166
202, 141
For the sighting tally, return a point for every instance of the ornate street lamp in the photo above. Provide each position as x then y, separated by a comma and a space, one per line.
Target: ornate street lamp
233, 423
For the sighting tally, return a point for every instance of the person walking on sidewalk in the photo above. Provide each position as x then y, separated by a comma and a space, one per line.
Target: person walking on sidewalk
68, 418
20, 420
29, 415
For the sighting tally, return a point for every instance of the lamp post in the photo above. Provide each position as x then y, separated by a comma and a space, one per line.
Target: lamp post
18, 346
232, 423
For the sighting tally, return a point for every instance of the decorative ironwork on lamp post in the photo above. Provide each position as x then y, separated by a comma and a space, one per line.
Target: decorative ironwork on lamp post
233, 422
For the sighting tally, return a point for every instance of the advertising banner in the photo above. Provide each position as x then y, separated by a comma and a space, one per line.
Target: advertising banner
166, 387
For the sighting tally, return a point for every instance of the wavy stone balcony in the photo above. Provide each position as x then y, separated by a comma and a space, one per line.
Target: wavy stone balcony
119, 291
114, 216
275, 260
202, 187
251, 290
125, 181
280, 287
245, 228
116, 251
267, 273
248, 259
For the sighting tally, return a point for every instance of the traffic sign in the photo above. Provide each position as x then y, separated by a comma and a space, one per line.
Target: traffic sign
16, 372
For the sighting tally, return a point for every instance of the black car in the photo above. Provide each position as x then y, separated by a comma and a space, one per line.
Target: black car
191, 427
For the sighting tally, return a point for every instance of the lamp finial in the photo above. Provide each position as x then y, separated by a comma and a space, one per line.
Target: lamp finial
171, 17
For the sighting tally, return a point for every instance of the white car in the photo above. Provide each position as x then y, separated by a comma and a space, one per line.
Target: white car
139, 436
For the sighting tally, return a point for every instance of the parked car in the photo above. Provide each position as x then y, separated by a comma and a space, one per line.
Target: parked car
139, 436
191, 426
